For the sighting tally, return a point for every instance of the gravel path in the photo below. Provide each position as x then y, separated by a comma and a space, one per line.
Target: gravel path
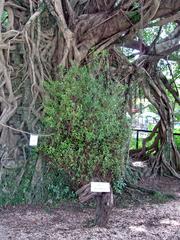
145, 222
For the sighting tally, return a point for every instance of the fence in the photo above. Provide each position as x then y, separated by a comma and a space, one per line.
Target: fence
138, 131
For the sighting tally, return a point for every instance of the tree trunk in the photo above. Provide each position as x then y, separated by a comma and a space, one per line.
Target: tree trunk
104, 205
25, 62
166, 157
42, 34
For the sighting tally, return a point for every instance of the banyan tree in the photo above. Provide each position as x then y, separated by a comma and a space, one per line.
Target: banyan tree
38, 36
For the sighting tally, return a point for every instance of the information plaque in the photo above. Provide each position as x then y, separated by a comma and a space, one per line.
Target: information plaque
100, 187
33, 141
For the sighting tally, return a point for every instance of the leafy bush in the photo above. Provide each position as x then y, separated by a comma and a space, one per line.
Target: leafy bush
52, 186
57, 185
13, 189
87, 116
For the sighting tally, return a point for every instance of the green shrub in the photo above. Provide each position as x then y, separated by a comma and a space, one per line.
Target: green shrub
87, 115
13, 192
50, 186
57, 184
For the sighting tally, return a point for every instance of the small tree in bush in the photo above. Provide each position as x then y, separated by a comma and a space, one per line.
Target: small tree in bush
87, 114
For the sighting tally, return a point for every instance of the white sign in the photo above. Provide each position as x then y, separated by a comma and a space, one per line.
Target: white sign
33, 140
100, 187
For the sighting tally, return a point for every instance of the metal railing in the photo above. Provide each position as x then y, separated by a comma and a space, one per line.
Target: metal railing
145, 131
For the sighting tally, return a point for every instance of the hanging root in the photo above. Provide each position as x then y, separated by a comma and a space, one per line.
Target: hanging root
162, 154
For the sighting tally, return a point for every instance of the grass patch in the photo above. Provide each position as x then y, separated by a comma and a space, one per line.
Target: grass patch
159, 197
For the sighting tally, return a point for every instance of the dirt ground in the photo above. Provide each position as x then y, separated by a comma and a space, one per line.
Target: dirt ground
143, 221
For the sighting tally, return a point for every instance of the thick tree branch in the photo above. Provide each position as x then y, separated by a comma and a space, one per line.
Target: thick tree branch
168, 45
167, 8
166, 20
161, 49
136, 44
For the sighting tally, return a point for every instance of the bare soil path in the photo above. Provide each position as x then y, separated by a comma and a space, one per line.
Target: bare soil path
146, 221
